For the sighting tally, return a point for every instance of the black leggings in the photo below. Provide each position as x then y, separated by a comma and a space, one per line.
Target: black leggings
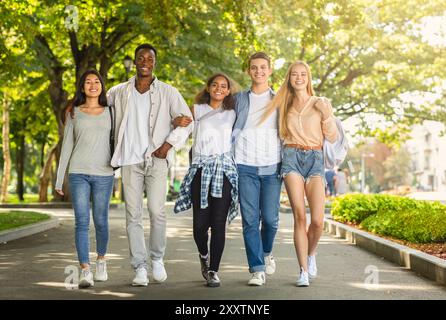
214, 217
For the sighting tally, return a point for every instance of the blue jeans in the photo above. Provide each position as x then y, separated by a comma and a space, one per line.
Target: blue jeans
259, 202
97, 188
331, 188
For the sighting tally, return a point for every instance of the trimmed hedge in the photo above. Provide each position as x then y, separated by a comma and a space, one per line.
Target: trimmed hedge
357, 207
402, 218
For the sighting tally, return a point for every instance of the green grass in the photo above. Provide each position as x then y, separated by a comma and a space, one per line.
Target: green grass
14, 219
29, 198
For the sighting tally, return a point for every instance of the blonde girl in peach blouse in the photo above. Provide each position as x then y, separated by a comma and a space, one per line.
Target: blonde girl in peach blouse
305, 120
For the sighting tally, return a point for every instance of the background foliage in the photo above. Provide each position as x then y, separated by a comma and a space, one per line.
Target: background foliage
369, 57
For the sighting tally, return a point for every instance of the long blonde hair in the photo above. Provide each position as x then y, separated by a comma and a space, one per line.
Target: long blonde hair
284, 99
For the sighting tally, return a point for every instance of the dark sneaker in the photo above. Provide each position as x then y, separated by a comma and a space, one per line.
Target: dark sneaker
213, 280
204, 266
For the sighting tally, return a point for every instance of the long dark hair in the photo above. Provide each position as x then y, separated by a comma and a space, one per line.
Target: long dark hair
204, 97
80, 97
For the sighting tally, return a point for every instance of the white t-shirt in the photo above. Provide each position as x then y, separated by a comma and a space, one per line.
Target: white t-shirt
213, 134
137, 137
258, 145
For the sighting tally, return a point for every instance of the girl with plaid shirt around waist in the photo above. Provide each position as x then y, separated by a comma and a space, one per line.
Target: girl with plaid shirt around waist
210, 186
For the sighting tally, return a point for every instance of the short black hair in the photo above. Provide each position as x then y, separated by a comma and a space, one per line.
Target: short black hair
145, 46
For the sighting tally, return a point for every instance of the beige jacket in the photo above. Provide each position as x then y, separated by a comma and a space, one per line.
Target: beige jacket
167, 104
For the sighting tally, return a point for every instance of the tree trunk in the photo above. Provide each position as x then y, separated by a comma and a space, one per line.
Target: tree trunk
6, 153
85, 58
45, 176
42, 155
20, 167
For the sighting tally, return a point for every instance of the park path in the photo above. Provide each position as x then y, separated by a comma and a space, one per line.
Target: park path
33, 268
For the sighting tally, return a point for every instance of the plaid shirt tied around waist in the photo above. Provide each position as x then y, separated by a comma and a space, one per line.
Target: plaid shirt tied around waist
213, 169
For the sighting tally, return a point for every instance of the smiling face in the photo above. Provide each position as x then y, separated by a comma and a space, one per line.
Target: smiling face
92, 86
145, 62
299, 78
219, 89
259, 71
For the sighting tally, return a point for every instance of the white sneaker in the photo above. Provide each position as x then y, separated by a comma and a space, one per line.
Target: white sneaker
101, 270
270, 265
140, 279
257, 279
302, 281
312, 268
213, 280
86, 278
158, 270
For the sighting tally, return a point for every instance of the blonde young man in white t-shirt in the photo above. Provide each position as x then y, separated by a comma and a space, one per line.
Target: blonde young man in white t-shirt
258, 155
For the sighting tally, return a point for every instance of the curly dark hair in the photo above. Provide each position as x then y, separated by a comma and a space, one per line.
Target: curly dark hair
204, 97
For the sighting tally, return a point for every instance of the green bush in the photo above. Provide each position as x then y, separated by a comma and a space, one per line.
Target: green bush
357, 207
399, 217
424, 223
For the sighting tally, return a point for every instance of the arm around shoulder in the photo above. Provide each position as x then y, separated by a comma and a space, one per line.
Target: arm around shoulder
178, 107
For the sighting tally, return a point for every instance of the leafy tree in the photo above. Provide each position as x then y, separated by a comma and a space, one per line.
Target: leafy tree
58, 41
67, 38
367, 56
397, 168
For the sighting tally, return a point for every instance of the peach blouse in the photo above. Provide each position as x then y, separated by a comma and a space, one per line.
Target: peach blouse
307, 128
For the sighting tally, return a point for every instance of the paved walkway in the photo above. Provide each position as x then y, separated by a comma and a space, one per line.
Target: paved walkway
33, 268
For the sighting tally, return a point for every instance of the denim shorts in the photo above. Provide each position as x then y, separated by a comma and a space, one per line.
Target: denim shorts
306, 163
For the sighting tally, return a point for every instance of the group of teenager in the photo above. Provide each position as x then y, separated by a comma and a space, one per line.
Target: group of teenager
244, 145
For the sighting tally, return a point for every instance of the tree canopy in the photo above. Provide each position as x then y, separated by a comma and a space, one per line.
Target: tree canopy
375, 60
